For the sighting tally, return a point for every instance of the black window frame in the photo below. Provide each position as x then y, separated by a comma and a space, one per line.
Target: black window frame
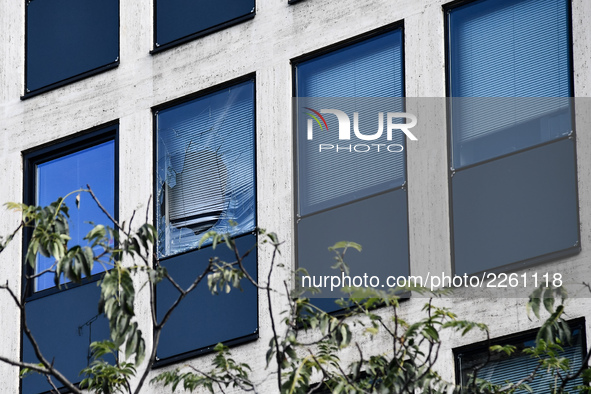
44, 153
516, 339
54, 150
341, 310
157, 48
75, 78
535, 260
163, 362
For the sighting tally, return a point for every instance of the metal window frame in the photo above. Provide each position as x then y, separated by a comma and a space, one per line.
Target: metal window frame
169, 104
535, 260
295, 162
54, 150
157, 48
75, 78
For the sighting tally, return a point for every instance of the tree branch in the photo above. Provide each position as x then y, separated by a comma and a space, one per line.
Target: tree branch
50, 370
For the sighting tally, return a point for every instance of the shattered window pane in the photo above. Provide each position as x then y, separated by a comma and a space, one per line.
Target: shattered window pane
206, 168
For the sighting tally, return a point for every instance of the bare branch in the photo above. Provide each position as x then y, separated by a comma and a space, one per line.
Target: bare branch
20, 364
102, 208
52, 384
275, 336
49, 369
157, 327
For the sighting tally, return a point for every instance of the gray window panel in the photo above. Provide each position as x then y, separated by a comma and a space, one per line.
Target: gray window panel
202, 319
64, 324
378, 223
515, 208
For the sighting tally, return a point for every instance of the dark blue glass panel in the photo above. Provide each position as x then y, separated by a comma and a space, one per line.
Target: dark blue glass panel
176, 19
206, 177
94, 166
378, 223
202, 319
515, 208
64, 324
508, 48
66, 38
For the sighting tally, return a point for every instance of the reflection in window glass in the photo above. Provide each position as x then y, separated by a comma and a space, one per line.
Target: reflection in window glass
502, 368
509, 49
351, 76
94, 166
206, 168
344, 194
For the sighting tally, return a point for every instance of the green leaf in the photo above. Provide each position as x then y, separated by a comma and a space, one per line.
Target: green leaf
534, 302
345, 245
549, 300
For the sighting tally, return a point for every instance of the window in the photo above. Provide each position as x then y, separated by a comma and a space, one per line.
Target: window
344, 194
178, 21
205, 181
502, 368
513, 170
68, 40
53, 172
94, 166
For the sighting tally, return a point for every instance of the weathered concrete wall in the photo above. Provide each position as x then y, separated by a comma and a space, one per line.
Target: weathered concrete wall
264, 46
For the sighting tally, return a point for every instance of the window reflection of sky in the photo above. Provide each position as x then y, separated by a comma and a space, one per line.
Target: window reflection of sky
94, 166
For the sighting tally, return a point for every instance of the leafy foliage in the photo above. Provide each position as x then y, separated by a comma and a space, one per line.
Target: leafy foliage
226, 372
305, 350
104, 377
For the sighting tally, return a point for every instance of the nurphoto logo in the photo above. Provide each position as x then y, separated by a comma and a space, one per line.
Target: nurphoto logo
344, 132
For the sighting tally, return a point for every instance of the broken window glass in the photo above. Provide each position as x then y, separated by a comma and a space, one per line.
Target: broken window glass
205, 168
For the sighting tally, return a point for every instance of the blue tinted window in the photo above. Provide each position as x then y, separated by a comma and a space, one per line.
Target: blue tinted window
368, 69
206, 181
67, 38
177, 19
510, 49
94, 166
52, 173
371, 68
206, 168
348, 195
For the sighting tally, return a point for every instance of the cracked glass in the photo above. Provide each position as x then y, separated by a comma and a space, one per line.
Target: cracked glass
205, 174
